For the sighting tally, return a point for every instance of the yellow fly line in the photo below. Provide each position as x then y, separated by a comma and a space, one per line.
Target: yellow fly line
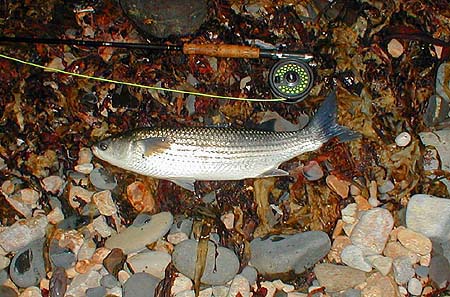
137, 85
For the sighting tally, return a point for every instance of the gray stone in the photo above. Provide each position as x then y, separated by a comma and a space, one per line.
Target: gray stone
336, 278
221, 263
140, 284
353, 257
250, 274
403, 270
372, 231
279, 254
414, 287
96, 292
61, 257
381, 263
422, 271
3, 276
102, 179
27, 267
23, 232
109, 281
430, 216
439, 270
152, 262
136, 238
82, 282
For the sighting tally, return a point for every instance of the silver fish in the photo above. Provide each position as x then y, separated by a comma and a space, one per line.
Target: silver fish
184, 155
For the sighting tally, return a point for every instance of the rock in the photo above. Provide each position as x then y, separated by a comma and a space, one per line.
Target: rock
27, 266
250, 274
84, 156
437, 110
380, 263
140, 284
386, 187
312, 171
349, 213
353, 257
403, 139
181, 283
151, 262
82, 282
414, 287
55, 216
7, 292
140, 197
239, 287
395, 48
86, 250
101, 227
422, 271
284, 253
77, 193
31, 292
395, 250
136, 238
53, 184
4, 262
85, 168
339, 243
61, 256
109, 281
337, 278
429, 215
372, 231
102, 179
341, 187
403, 270
58, 282
114, 261
175, 17
221, 263
414, 241
439, 271
104, 202
96, 292
378, 285
23, 232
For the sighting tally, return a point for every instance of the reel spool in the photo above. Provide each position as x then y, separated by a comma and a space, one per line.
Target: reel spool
291, 79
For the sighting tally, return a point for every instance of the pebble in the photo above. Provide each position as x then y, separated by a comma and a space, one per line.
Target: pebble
140, 197
414, 241
53, 184
429, 215
378, 285
31, 292
96, 292
221, 263
102, 179
85, 168
380, 263
339, 243
55, 216
439, 271
109, 281
84, 156
104, 202
372, 231
341, 187
353, 257
136, 238
403, 270
386, 187
414, 287
4, 262
437, 110
312, 171
61, 256
251, 274
27, 266
82, 282
19, 205
76, 193
101, 227
228, 220
151, 262
285, 253
23, 232
239, 287
6, 291
395, 48
337, 278
403, 139
114, 261
395, 250
140, 284
181, 283
349, 213
58, 282
86, 250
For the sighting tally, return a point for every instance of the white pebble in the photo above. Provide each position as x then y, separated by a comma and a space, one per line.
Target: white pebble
403, 139
414, 287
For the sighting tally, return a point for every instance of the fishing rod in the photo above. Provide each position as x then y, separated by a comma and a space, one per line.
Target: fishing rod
290, 77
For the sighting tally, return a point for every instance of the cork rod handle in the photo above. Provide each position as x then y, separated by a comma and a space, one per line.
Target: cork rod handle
221, 50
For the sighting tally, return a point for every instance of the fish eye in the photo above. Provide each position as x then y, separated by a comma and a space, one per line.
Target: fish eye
103, 146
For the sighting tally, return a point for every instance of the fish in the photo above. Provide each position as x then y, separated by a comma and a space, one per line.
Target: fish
188, 154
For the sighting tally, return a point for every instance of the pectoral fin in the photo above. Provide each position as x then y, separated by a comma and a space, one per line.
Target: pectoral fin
154, 145
187, 184
273, 172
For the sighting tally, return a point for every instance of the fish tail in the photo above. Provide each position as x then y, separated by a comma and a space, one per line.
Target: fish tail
324, 124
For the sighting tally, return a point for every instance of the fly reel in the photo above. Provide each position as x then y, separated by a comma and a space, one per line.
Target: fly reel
291, 79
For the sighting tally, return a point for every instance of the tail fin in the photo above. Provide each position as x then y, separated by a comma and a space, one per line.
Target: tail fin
324, 123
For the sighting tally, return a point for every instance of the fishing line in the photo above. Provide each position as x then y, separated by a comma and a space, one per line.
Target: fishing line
102, 79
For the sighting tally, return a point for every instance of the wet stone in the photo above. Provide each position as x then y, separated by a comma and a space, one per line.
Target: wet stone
114, 261
151, 262
23, 232
58, 282
102, 179
137, 236
403, 270
372, 231
221, 263
140, 197
439, 271
341, 187
337, 278
429, 215
312, 171
284, 253
27, 266
140, 284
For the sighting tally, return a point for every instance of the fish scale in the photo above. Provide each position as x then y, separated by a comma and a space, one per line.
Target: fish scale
184, 155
